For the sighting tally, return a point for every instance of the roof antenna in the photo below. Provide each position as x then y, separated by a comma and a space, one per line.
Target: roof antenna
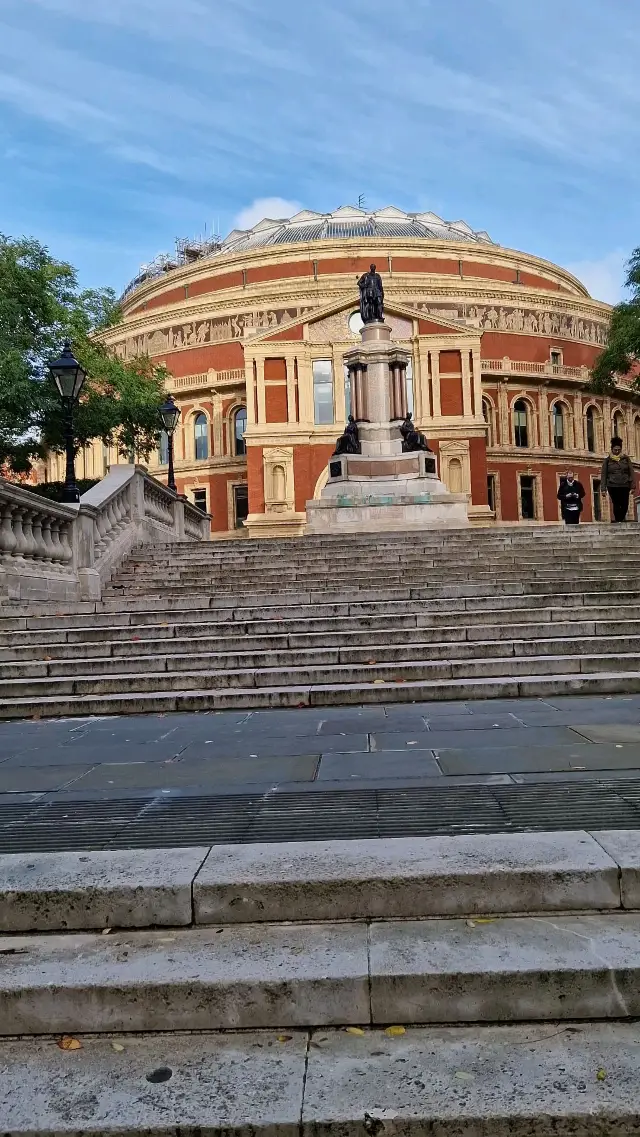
361, 201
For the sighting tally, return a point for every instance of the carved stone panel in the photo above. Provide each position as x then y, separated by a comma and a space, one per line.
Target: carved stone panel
335, 329
532, 321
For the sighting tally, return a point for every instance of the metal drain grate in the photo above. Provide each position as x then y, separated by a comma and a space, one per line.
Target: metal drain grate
319, 816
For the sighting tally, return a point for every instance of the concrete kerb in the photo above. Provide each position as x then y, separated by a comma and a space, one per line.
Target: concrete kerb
402, 878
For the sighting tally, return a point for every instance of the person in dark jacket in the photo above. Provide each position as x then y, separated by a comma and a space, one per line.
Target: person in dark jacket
616, 479
570, 496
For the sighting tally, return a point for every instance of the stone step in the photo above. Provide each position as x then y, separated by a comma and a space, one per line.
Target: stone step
310, 881
166, 673
159, 659
476, 1081
257, 976
521, 637
129, 702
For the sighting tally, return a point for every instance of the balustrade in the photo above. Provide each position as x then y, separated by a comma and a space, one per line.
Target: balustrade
48, 550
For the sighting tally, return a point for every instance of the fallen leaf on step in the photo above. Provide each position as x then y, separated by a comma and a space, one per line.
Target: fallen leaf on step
399, 681
471, 923
285, 1037
463, 1076
372, 662
118, 1047
35, 718
46, 659
355, 1030
379, 681
135, 639
106, 931
486, 920
68, 1043
395, 1031
601, 1075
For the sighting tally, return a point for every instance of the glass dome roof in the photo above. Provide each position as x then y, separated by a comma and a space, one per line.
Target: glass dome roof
349, 221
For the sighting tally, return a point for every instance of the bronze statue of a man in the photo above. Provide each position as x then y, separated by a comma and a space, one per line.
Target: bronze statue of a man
371, 296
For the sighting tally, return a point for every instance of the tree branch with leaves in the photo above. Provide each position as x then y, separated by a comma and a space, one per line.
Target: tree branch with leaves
622, 353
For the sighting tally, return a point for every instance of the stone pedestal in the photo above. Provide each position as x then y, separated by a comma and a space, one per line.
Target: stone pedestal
382, 487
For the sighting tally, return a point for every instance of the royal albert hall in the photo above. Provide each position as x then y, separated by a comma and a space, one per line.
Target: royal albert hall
253, 330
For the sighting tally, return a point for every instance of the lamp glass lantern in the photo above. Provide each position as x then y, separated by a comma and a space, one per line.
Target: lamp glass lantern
170, 415
67, 374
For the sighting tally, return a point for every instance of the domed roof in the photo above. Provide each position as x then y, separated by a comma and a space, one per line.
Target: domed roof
349, 221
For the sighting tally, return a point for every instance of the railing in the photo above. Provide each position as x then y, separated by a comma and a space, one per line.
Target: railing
508, 366
205, 379
57, 552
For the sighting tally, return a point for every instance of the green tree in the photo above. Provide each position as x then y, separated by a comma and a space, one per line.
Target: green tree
40, 307
622, 353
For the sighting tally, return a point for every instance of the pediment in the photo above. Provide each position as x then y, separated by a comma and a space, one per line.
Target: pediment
330, 324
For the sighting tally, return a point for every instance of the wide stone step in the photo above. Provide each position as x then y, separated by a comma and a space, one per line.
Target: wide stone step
623, 650
310, 881
502, 969
129, 702
162, 674
478, 1081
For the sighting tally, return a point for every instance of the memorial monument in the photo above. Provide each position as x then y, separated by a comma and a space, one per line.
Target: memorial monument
382, 474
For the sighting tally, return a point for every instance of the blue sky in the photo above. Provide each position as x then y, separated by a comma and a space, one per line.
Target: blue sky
127, 123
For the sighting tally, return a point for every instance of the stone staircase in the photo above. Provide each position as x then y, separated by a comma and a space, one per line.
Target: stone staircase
462, 614
462, 987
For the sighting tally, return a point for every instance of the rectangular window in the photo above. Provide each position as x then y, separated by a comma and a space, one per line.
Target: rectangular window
409, 378
240, 505
597, 500
527, 498
556, 358
200, 499
323, 392
347, 392
491, 491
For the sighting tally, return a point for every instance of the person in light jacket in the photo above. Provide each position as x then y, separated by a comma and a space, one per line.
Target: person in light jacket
616, 479
570, 496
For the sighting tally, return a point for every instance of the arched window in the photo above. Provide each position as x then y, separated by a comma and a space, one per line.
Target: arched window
591, 430
557, 418
163, 448
201, 437
487, 413
239, 427
521, 423
618, 425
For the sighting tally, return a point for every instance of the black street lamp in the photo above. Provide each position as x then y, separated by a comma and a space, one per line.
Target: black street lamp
170, 417
68, 377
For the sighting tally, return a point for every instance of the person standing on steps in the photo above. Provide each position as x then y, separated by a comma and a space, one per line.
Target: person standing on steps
616, 479
570, 495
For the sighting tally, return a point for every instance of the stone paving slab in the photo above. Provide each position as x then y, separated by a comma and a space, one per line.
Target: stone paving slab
197, 1085
529, 1081
584, 967
538, 759
436, 739
205, 773
623, 846
24, 779
200, 979
57, 891
405, 877
609, 732
341, 767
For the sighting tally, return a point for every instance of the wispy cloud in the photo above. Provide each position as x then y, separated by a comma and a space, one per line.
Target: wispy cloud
262, 207
604, 277
520, 117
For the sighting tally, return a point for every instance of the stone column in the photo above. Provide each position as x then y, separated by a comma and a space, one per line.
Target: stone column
291, 389
477, 381
262, 411
435, 382
466, 383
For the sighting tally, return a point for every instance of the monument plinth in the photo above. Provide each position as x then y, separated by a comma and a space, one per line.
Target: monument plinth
382, 474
